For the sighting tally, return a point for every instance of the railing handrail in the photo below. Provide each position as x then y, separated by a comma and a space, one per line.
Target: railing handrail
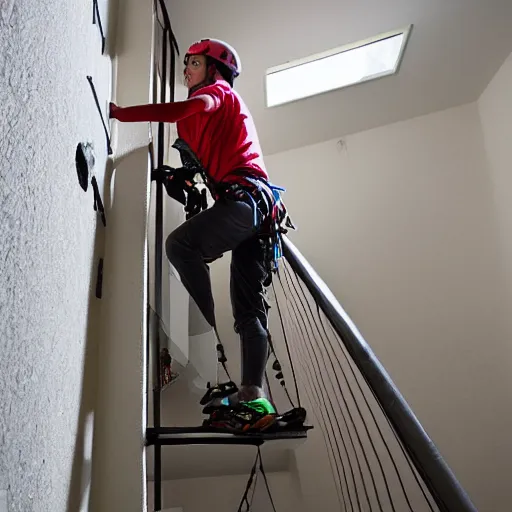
438, 477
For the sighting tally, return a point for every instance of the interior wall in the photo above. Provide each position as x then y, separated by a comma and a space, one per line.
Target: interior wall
224, 493
51, 243
399, 223
119, 458
495, 107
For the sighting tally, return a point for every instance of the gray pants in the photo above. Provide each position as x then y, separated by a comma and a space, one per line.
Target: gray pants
227, 226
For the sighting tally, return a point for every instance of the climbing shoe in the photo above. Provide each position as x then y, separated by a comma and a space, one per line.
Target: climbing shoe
292, 420
253, 416
218, 392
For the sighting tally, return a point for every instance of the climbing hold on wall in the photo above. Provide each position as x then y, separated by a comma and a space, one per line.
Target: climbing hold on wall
84, 160
98, 203
99, 279
96, 18
93, 89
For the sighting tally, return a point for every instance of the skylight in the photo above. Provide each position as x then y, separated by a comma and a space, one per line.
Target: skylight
334, 69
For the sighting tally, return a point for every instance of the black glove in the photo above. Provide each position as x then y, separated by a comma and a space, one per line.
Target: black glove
196, 202
173, 181
176, 189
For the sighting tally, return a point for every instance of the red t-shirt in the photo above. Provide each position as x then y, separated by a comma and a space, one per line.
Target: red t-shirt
223, 138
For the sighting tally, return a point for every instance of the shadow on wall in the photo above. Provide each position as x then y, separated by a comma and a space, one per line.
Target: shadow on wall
81, 473
79, 488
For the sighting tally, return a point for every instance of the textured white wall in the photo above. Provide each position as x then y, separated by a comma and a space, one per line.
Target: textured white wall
49, 249
118, 472
223, 493
400, 224
495, 107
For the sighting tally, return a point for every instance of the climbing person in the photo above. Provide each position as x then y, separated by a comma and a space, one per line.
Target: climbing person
217, 132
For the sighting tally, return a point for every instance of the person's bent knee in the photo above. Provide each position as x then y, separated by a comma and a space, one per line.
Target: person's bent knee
174, 248
249, 327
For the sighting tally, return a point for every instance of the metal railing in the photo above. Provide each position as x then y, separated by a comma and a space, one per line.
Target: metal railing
381, 456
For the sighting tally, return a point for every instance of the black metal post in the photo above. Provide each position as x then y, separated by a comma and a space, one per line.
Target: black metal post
158, 284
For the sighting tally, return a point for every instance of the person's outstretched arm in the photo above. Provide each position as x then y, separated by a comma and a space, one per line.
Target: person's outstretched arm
165, 112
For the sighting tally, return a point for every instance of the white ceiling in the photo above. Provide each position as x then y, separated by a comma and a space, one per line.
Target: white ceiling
455, 48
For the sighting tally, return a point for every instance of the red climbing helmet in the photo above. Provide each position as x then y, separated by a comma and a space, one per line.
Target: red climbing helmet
219, 51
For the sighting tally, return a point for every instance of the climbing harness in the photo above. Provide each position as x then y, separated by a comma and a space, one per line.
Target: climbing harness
276, 366
270, 214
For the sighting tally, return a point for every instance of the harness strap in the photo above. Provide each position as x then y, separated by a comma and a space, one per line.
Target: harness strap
245, 498
258, 465
266, 197
262, 471
236, 192
263, 196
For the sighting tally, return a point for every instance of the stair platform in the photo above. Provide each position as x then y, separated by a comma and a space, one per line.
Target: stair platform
209, 436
